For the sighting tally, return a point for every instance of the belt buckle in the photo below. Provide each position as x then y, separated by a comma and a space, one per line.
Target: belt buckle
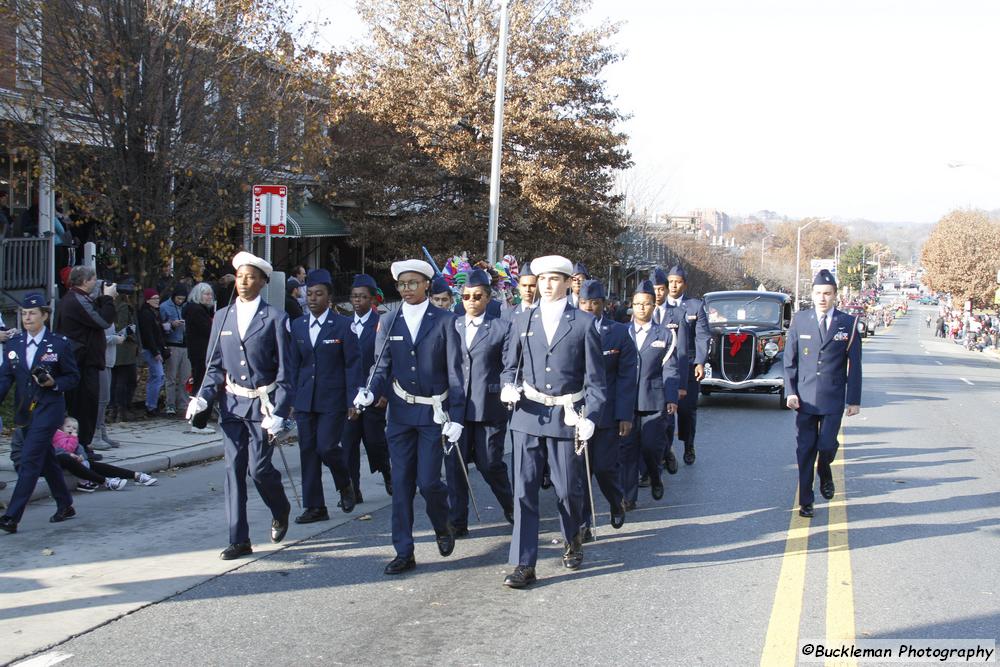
410, 398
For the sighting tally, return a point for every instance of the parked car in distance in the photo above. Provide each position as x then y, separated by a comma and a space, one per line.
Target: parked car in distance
748, 340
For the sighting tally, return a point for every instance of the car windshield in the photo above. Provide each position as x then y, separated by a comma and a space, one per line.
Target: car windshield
737, 310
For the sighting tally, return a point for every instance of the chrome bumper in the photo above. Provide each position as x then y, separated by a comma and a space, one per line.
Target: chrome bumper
756, 383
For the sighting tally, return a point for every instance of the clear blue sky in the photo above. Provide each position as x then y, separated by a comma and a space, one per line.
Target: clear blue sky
848, 109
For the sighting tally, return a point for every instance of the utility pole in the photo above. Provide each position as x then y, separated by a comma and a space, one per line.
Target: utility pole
494, 223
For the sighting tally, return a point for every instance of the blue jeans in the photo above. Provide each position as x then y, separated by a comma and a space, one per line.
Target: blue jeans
155, 381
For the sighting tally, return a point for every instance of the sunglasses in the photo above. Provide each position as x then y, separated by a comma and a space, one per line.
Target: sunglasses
473, 297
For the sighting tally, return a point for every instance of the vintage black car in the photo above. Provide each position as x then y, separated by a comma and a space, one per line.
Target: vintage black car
748, 339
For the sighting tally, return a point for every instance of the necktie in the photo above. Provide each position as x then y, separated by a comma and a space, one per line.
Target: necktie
315, 323
822, 327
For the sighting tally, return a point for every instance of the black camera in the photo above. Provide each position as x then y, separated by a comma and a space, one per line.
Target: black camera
42, 374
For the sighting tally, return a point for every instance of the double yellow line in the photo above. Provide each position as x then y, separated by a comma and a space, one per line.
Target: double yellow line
781, 646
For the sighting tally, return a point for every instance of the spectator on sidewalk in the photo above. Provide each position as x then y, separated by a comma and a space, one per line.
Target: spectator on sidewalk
83, 316
114, 339
27, 222
154, 348
299, 272
225, 288
293, 307
6, 222
198, 313
177, 367
123, 375
41, 367
93, 474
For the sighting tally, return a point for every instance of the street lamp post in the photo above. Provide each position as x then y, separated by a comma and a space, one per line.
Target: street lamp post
798, 259
491, 235
765, 237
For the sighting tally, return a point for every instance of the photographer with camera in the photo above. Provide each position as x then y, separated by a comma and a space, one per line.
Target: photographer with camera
41, 367
84, 313
154, 348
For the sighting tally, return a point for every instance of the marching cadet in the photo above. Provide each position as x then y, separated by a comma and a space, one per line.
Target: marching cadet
615, 421
822, 366
554, 376
658, 383
420, 369
370, 424
527, 287
325, 368
249, 357
484, 339
441, 295
686, 317
580, 274
41, 367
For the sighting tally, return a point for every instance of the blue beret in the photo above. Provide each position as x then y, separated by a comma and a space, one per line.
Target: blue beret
364, 280
477, 278
824, 277
35, 300
659, 277
319, 277
677, 271
526, 271
580, 268
645, 287
592, 289
439, 285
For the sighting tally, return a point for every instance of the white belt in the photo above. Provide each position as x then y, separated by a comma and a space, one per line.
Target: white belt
437, 402
262, 393
567, 401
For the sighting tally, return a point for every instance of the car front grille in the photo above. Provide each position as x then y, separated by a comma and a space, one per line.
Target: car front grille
737, 356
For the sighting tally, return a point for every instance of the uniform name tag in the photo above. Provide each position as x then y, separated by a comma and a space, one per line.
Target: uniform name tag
50, 357
607, 352
692, 317
395, 338
672, 325
226, 333
805, 337
658, 343
530, 333
331, 340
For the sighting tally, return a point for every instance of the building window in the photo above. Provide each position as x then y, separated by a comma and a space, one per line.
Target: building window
28, 44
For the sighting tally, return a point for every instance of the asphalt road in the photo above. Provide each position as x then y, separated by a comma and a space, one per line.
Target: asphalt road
721, 571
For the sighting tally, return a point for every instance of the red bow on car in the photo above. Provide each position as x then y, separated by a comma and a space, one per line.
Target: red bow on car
736, 341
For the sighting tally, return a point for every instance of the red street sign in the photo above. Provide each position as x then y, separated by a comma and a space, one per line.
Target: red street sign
269, 201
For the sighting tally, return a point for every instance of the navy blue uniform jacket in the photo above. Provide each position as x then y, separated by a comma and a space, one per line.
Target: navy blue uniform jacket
261, 358
481, 367
325, 377
55, 352
658, 377
822, 372
573, 362
620, 369
689, 322
428, 366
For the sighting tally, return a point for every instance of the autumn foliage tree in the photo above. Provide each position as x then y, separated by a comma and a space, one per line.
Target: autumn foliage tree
413, 125
962, 256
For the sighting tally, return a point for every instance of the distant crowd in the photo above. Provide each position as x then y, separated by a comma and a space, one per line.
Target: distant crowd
974, 332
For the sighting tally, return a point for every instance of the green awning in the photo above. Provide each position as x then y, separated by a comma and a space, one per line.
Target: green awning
313, 220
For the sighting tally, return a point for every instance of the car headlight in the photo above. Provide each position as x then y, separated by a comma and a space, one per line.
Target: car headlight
770, 349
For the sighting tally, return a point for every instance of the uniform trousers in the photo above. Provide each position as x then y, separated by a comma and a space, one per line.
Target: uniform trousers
567, 473
644, 443
605, 466
481, 443
415, 454
816, 447
687, 414
247, 449
369, 428
319, 445
38, 459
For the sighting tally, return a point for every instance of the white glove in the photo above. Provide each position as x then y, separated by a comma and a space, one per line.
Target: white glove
364, 398
274, 426
195, 405
585, 428
452, 431
267, 423
510, 394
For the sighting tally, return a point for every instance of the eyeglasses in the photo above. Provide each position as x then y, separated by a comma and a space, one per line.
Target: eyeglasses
474, 297
409, 285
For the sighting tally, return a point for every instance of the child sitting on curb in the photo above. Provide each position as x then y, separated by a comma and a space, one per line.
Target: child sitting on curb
92, 474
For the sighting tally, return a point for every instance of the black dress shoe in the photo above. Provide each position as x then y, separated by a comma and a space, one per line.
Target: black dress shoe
234, 551
689, 456
387, 480
656, 488
618, 518
400, 564
348, 498
312, 515
573, 552
461, 531
806, 511
522, 577
63, 514
509, 515
546, 482
630, 505
587, 536
8, 525
358, 498
670, 461
446, 541
278, 529
827, 489
643, 481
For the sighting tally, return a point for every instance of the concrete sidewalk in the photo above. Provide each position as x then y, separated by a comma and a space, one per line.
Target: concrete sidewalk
148, 446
